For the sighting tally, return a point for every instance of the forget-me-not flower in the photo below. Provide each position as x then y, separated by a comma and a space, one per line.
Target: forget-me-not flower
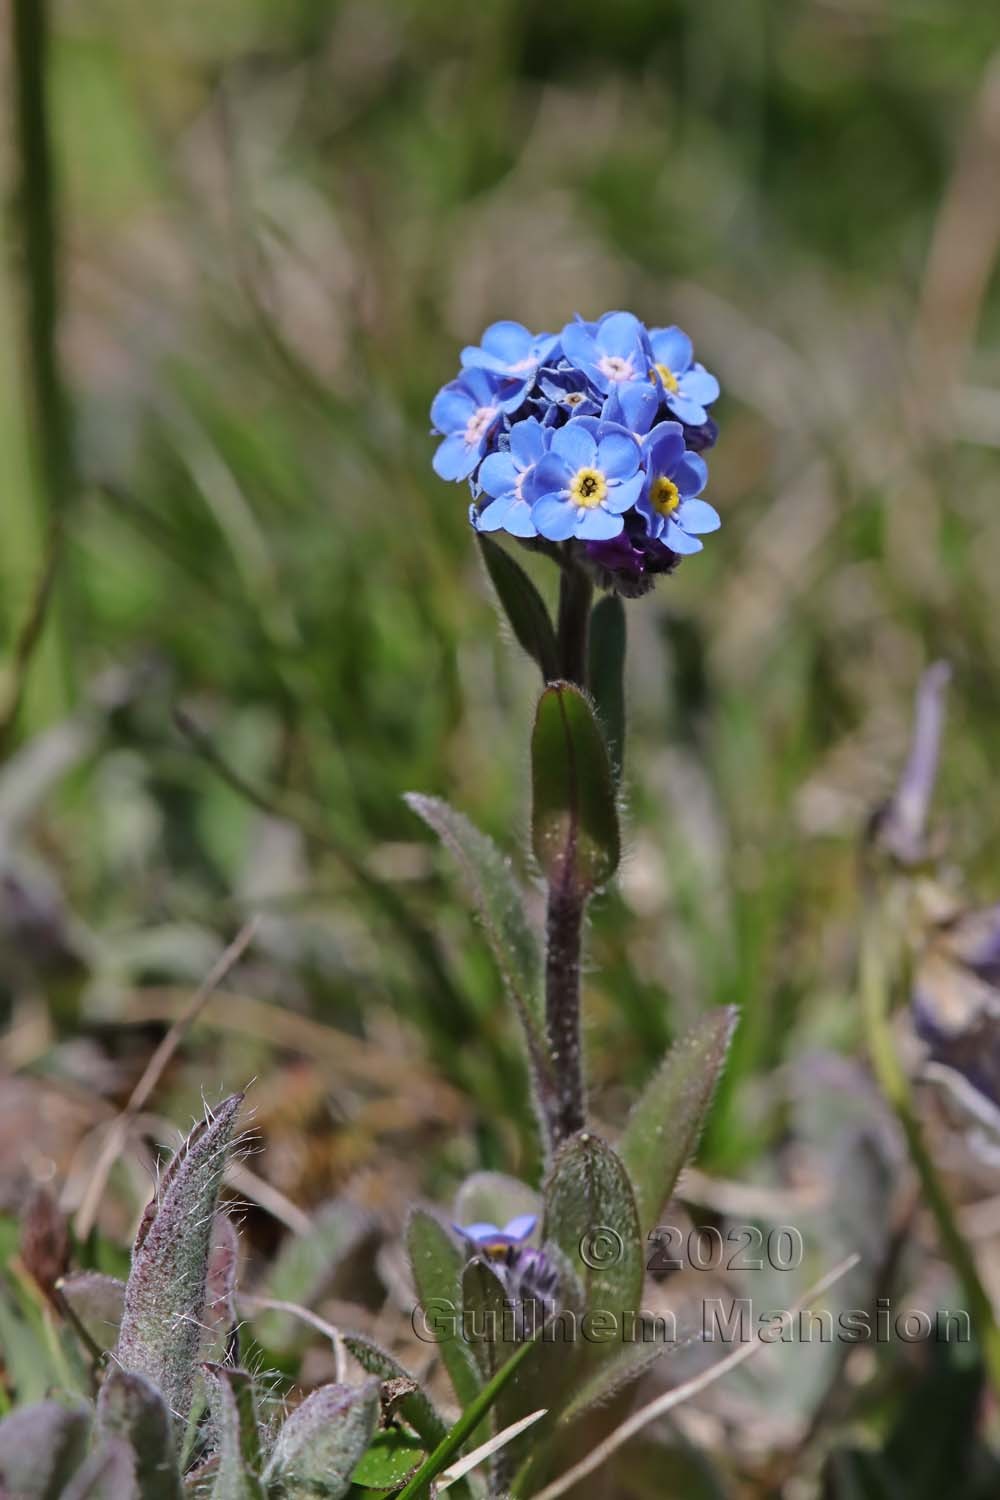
465, 412
585, 483
502, 476
674, 479
610, 351
687, 387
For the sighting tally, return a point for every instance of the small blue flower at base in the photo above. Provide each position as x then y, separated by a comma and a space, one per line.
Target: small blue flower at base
567, 393
466, 412
674, 479
687, 387
512, 352
491, 1236
585, 483
503, 475
609, 352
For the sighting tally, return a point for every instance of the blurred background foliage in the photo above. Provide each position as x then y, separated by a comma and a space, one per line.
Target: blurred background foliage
278, 225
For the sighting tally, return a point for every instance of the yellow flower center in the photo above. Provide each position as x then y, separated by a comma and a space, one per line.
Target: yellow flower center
665, 496
666, 374
588, 488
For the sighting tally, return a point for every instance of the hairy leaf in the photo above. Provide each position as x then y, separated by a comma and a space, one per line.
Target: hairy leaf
494, 889
665, 1124
437, 1262
234, 1416
416, 1407
524, 607
166, 1289
130, 1408
590, 1214
574, 819
320, 1444
97, 1302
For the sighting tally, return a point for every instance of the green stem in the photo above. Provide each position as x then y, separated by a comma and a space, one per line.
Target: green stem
563, 946
576, 592
877, 971
566, 905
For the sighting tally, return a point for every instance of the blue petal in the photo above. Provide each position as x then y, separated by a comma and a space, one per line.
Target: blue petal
518, 521
654, 521
480, 1231
697, 517
452, 408
550, 476
598, 525
621, 497
688, 411
690, 475
527, 442
498, 474
455, 459
555, 518
578, 345
619, 333
508, 341
521, 1227
664, 448
494, 517
545, 346
575, 445
617, 455
698, 385
639, 401
672, 348
482, 385
679, 541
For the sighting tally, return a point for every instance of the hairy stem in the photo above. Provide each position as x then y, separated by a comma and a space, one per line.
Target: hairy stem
576, 592
564, 940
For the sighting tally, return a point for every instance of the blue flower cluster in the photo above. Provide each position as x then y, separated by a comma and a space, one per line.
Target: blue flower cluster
594, 434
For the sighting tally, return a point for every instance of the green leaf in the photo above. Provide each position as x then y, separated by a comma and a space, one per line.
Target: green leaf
606, 674
524, 607
590, 1214
665, 1124
494, 889
487, 1322
166, 1290
234, 1417
611, 1376
419, 1485
321, 1443
437, 1263
416, 1407
97, 1302
574, 820
391, 1458
40, 1449
130, 1408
